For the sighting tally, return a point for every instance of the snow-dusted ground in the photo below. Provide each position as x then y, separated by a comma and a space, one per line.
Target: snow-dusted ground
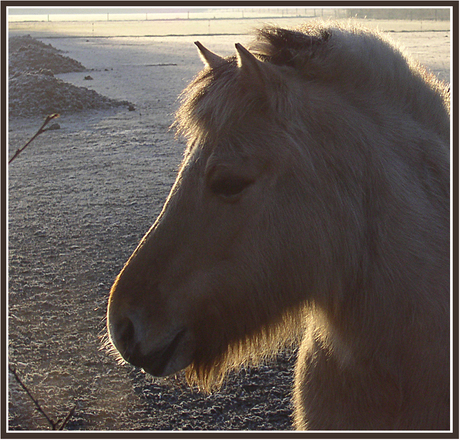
80, 199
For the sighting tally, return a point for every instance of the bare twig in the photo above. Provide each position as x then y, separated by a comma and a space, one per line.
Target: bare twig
54, 425
37, 405
40, 131
69, 415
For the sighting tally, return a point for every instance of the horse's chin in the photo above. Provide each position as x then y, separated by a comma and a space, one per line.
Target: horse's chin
172, 358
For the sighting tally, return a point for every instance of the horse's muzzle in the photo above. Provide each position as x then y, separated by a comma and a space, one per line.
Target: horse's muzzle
163, 359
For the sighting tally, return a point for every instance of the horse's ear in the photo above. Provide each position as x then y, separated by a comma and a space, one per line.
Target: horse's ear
209, 58
248, 63
259, 76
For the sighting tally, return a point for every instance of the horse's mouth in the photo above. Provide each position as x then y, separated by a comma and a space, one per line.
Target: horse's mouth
167, 360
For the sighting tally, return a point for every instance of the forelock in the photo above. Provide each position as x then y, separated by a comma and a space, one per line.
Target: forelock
216, 101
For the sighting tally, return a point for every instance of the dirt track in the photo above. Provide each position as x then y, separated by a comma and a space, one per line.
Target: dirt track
80, 199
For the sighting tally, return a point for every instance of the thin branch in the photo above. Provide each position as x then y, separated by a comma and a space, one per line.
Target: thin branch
69, 415
54, 425
37, 405
40, 131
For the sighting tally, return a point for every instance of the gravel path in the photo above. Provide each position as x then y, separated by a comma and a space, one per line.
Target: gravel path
33, 88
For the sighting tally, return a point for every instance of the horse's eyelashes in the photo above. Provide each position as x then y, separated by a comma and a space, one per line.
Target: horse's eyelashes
229, 186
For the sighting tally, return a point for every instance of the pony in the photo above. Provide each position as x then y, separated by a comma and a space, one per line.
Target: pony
311, 208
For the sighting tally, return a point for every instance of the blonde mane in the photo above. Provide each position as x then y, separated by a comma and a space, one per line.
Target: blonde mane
348, 58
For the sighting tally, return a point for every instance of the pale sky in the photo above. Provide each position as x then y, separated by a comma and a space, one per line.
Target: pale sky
98, 10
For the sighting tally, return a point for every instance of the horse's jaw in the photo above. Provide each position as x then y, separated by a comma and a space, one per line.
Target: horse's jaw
171, 358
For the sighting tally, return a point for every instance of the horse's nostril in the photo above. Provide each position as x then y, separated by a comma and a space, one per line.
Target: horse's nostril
126, 330
126, 337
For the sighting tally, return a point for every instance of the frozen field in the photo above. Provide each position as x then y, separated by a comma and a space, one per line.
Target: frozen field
80, 199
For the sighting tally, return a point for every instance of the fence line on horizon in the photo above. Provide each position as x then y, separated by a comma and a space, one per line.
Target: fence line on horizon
436, 14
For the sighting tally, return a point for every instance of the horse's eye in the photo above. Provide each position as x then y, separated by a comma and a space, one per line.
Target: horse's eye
229, 187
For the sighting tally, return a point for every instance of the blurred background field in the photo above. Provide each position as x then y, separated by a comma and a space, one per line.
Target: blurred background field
199, 21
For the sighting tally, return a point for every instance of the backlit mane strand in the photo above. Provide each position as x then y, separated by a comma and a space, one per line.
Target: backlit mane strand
359, 67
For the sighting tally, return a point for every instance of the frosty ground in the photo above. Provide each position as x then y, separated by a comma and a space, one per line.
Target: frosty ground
80, 199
